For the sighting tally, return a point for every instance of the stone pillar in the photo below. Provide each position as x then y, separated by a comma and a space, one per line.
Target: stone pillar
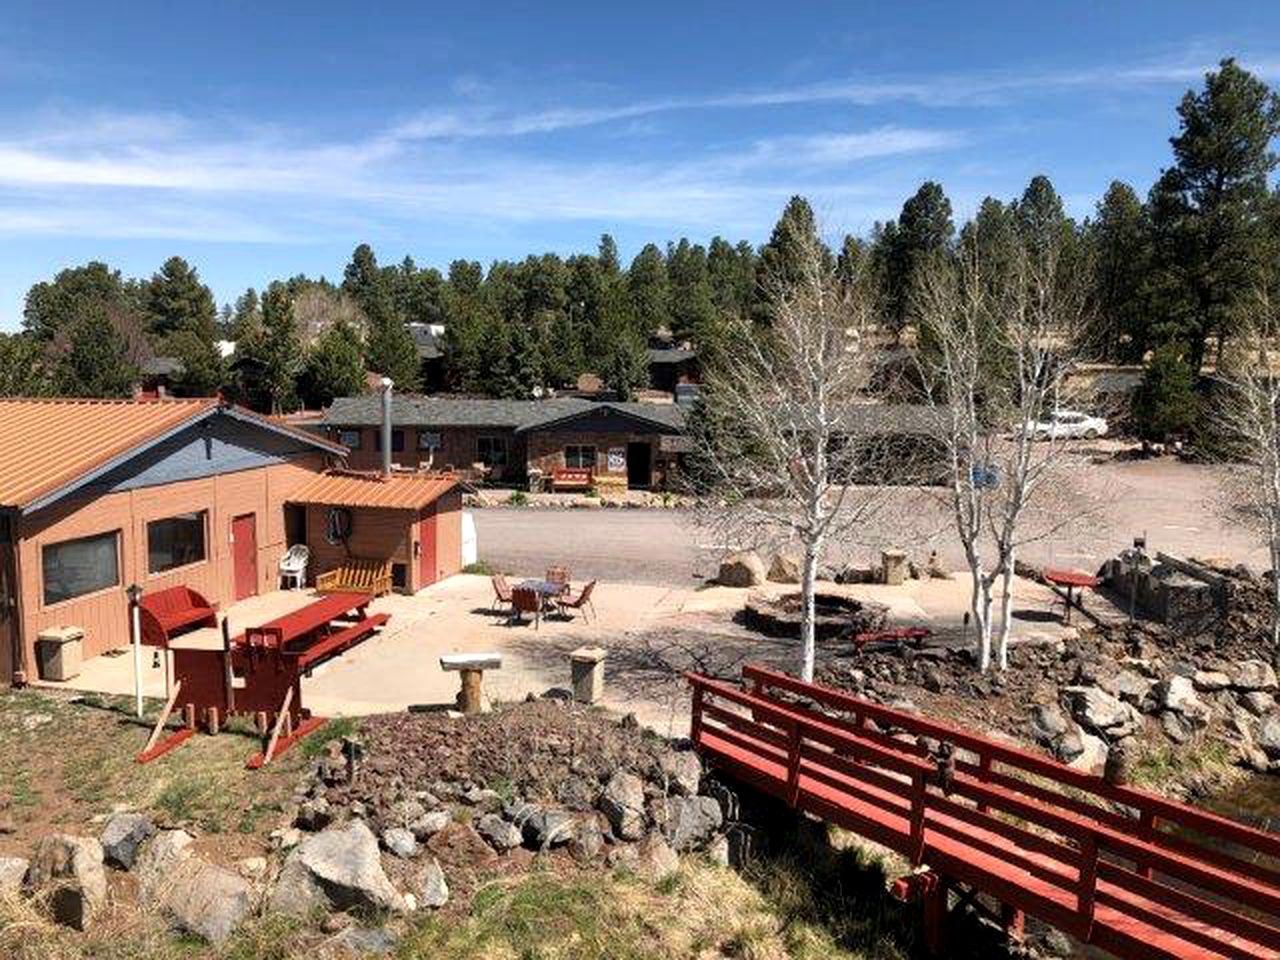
587, 669
894, 564
471, 699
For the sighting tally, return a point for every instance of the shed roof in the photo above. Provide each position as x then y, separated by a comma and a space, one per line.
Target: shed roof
49, 447
398, 491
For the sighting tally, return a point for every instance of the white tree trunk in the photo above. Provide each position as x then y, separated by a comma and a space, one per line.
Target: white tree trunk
1275, 586
980, 606
1005, 625
808, 586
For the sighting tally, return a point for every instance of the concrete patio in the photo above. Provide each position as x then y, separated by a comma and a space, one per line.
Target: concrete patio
652, 634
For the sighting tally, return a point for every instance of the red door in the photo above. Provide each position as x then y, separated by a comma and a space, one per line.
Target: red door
427, 549
244, 555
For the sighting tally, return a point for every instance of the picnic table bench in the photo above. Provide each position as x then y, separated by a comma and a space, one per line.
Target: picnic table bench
570, 478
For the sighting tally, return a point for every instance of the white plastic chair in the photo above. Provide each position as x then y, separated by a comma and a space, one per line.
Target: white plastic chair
293, 566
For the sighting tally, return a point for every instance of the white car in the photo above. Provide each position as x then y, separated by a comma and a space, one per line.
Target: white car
1068, 425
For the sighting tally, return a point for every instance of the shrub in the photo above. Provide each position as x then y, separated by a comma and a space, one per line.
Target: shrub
1165, 403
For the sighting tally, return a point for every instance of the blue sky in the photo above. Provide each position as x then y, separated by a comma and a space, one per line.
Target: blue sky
265, 139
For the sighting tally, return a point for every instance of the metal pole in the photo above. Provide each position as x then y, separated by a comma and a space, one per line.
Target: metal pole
386, 425
135, 592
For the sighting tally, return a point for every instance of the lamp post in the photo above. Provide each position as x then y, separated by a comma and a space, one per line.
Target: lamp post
134, 593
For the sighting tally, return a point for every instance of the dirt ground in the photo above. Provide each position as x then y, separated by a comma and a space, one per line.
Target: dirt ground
1167, 500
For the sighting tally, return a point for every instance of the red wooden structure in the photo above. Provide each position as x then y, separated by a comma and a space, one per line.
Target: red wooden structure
162, 614
1130, 872
259, 674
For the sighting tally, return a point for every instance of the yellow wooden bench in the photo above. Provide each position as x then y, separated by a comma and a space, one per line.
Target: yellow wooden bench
357, 575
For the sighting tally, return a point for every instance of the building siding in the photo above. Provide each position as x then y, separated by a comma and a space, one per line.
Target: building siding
458, 450
104, 615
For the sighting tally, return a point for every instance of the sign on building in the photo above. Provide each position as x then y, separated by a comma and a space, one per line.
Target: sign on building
617, 459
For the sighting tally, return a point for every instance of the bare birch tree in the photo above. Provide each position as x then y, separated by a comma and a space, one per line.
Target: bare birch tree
1248, 411
772, 448
995, 335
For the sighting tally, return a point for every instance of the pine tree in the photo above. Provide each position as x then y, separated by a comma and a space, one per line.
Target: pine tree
693, 312
175, 299
93, 359
1209, 210
607, 254
1165, 403
650, 292
73, 295
390, 348
23, 366
334, 366
1121, 240
782, 258
277, 349
247, 317
924, 228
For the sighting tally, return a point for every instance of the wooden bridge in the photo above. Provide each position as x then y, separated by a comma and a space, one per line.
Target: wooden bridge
1135, 874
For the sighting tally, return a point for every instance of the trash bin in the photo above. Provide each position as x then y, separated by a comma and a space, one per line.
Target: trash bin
58, 650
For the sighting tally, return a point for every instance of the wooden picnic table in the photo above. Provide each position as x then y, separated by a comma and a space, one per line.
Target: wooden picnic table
303, 622
1072, 580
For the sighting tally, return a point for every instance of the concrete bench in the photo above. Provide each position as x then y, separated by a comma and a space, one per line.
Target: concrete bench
471, 667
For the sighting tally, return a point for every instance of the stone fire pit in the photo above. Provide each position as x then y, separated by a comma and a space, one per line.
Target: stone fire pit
836, 614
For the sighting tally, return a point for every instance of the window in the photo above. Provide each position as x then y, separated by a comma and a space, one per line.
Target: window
397, 440
350, 439
492, 451
581, 456
428, 440
76, 567
175, 542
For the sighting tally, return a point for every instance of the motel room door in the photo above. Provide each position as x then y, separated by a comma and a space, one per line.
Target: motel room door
427, 548
8, 606
244, 555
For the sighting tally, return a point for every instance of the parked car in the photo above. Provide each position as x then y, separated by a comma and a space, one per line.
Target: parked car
1069, 425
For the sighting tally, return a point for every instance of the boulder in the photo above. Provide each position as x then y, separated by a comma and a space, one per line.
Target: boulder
401, 842
123, 834
404, 812
336, 869
1094, 707
1252, 675
1133, 688
1177, 694
683, 771
655, 859
547, 828
500, 834
430, 824
623, 803
432, 889
784, 568
1210, 681
206, 901
742, 569
70, 870
1049, 723
1258, 703
12, 872
1176, 726
458, 843
313, 815
1268, 736
1092, 757
691, 821
159, 861
588, 838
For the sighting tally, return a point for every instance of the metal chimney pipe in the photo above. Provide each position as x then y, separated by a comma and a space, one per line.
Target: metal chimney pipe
386, 425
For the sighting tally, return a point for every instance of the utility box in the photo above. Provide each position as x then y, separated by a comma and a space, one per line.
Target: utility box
58, 650
587, 670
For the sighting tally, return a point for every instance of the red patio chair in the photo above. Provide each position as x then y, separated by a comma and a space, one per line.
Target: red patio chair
582, 601
526, 600
501, 591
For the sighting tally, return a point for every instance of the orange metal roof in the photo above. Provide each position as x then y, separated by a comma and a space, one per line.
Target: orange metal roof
48, 443
399, 491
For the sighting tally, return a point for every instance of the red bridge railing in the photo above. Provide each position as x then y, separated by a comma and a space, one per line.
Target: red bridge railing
1136, 874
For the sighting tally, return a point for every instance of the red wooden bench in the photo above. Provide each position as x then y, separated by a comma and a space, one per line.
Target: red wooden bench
166, 613
570, 478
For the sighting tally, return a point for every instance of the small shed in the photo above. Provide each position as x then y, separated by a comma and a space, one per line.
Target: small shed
412, 519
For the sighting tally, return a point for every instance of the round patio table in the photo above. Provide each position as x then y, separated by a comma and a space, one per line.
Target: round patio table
1072, 580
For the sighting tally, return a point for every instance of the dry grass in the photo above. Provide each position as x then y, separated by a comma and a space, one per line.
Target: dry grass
78, 763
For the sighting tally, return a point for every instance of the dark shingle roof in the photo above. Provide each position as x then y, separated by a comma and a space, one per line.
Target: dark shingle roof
411, 411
